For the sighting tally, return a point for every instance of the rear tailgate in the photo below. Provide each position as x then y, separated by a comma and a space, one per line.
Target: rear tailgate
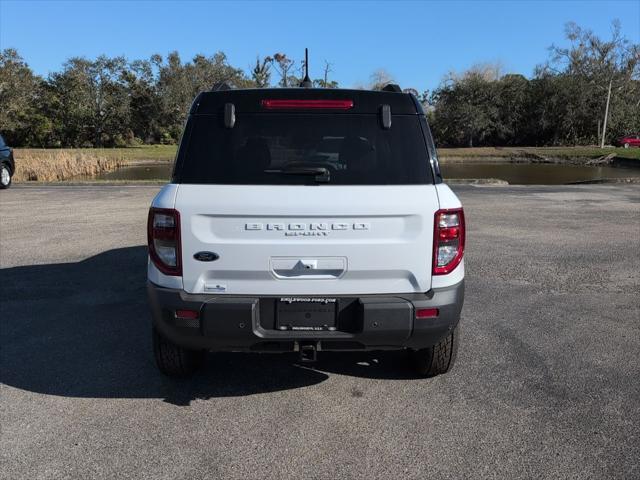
307, 240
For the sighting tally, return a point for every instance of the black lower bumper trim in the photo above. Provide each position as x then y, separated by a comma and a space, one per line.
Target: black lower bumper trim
229, 323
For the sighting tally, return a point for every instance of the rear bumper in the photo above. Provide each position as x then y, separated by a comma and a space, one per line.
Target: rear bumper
370, 322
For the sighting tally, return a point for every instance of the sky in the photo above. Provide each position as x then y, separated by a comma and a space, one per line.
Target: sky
416, 42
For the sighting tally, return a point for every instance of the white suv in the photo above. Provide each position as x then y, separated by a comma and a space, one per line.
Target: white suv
306, 220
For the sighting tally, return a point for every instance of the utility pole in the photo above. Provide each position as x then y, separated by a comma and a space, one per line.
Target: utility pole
606, 114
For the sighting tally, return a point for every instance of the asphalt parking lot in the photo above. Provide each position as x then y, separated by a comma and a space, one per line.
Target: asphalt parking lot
546, 385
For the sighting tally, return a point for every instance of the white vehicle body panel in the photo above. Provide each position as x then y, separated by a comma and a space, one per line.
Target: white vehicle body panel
166, 197
446, 197
304, 240
157, 277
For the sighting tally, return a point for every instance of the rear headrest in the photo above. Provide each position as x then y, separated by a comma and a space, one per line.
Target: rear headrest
255, 155
357, 153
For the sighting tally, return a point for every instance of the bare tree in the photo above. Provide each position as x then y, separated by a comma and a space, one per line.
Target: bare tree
379, 79
324, 82
284, 65
412, 91
486, 71
326, 70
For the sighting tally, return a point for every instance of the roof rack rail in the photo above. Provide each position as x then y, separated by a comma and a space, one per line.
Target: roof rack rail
220, 86
392, 87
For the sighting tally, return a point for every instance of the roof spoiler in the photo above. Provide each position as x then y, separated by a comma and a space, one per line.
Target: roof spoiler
392, 87
220, 86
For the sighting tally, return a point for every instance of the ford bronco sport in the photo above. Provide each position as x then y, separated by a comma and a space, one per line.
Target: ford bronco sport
305, 220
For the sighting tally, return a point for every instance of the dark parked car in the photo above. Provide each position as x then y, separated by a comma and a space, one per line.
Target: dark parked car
629, 141
7, 165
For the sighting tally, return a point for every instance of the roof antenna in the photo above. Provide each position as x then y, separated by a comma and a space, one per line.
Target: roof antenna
306, 81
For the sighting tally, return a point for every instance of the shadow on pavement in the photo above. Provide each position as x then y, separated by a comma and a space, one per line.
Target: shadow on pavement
83, 330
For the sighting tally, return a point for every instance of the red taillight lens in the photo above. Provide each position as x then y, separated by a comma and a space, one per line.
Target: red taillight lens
448, 240
306, 104
427, 312
163, 237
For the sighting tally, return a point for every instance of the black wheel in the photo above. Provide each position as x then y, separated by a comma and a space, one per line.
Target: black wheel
438, 359
5, 176
173, 360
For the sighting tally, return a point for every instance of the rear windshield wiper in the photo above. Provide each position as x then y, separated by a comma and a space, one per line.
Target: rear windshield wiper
321, 174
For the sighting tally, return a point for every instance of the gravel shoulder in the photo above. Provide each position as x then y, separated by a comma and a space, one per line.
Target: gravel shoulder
546, 383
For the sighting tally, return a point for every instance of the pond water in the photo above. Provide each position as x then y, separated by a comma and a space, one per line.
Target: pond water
535, 173
515, 174
140, 172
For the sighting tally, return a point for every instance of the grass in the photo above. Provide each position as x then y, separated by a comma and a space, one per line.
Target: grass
60, 165
144, 153
64, 164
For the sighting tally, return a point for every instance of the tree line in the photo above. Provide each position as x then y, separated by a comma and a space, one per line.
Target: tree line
110, 101
113, 102
586, 93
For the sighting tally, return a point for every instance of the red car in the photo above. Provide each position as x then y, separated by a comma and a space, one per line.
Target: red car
629, 141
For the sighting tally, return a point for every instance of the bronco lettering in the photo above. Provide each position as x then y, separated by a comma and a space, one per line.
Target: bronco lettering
318, 228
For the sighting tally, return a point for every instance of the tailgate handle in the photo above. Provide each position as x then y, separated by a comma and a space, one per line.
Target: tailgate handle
319, 268
307, 265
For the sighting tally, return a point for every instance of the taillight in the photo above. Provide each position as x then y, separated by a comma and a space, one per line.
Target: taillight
448, 240
293, 104
163, 237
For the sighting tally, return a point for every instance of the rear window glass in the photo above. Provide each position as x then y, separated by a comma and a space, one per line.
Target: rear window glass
272, 149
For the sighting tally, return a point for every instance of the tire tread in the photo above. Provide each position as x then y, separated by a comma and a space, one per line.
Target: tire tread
173, 360
438, 359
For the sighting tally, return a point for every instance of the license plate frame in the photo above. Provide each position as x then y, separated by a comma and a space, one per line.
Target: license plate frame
306, 314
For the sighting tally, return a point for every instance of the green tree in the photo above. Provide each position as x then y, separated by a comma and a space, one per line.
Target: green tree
320, 83
604, 70
145, 102
466, 110
22, 122
512, 93
178, 84
90, 102
261, 73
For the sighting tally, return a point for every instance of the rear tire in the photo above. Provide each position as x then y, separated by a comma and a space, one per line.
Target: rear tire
440, 358
174, 360
5, 176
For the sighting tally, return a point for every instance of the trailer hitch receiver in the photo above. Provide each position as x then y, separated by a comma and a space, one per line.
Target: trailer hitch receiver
308, 352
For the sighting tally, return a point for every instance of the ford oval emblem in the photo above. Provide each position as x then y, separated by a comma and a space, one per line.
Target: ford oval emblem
206, 256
